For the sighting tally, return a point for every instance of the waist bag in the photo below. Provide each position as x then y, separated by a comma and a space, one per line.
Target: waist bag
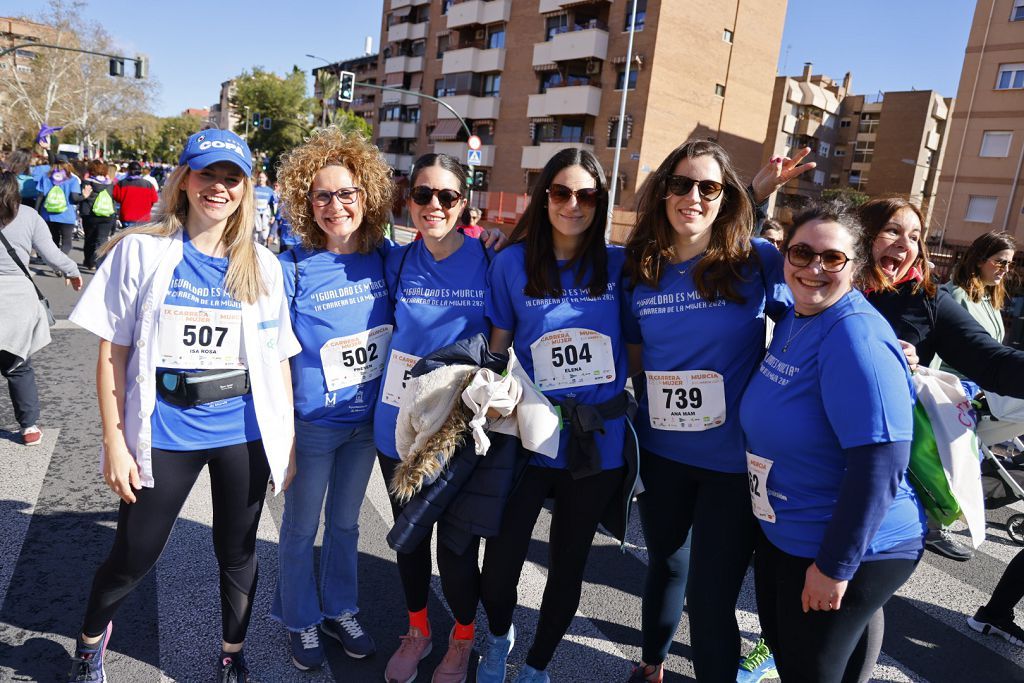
189, 389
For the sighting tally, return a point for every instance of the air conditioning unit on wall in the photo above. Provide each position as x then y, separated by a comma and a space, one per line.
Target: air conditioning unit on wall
480, 34
593, 68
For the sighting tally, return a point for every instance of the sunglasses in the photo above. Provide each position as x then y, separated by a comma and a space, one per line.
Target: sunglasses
346, 195
1001, 264
681, 186
832, 260
422, 194
560, 194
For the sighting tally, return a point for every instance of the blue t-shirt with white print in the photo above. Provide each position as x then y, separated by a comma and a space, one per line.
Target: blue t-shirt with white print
342, 316
198, 282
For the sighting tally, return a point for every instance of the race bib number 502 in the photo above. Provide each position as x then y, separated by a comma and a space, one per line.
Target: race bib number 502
200, 338
357, 358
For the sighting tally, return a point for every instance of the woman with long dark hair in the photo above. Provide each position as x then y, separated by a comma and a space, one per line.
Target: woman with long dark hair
553, 296
699, 291
24, 324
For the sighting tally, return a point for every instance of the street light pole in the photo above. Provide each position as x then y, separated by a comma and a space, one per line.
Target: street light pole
246, 123
323, 95
621, 125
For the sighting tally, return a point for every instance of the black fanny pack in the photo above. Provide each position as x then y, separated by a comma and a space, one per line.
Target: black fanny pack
187, 389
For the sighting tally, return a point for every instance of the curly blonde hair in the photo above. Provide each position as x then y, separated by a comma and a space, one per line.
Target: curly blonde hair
329, 147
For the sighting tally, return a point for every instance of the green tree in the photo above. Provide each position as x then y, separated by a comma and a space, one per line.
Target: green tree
847, 195
283, 100
351, 123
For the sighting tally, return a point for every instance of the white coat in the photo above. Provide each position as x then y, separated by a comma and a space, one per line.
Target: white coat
122, 304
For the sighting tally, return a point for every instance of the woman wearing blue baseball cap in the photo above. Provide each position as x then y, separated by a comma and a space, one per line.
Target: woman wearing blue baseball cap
193, 372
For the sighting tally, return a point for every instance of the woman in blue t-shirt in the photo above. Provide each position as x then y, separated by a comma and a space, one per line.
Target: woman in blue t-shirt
553, 296
58, 208
695, 313
192, 374
437, 287
841, 529
338, 190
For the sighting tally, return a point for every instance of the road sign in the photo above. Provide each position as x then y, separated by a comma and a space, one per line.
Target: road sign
474, 142
474, 157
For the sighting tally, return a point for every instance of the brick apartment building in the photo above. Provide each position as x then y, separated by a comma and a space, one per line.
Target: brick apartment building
980, 189
366, 100
890, 144
534, 76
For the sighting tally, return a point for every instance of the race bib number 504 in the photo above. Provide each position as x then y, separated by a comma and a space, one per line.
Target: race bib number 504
200, 338
686, 400
572, 357
357, 358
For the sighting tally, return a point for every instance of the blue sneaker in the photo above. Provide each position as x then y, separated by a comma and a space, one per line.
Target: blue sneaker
530, 675
491, 668
757, 665
345, 629
87, 664
307, 653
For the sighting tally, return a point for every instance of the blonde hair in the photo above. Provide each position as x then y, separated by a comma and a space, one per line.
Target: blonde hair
244, 280
333, 147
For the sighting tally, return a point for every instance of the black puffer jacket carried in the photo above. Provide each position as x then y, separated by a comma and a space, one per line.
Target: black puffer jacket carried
468, 498
939, 325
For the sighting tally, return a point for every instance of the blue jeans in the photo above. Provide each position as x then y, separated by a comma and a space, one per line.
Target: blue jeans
335, 461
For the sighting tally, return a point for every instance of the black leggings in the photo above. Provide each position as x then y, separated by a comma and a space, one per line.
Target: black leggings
62, 233
681, 505
460, 574
1008, 591
819, 646
579, 505
97, 232
238, 479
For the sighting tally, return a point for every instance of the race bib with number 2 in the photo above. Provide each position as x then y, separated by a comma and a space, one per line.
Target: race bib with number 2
757, 474
357, 358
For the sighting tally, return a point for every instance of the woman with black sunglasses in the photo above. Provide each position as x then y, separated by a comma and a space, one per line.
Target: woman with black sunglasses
553, 296
840, 527
437, 289
699, 292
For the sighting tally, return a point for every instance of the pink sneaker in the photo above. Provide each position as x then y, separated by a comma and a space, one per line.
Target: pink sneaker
455, 664
403, 664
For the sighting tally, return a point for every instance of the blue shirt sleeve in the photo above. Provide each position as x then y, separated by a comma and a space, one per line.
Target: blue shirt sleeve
289, 267
865, 382
777, 297
631, 332
873, 473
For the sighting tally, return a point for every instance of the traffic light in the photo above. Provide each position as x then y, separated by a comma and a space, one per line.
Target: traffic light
348, 86
141, 67
116, 67
480, 179
256, 119
266, 123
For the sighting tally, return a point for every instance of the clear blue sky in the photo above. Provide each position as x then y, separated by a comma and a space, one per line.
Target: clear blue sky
193, 46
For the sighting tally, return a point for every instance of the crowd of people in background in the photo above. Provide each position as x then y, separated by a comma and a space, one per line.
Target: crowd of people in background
666, 373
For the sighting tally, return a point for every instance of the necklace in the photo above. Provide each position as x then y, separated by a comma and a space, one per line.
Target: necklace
683, 266
792, 336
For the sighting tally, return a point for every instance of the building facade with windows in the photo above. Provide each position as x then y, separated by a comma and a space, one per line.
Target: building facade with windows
531, 77
366, 100
889, 144
980, 188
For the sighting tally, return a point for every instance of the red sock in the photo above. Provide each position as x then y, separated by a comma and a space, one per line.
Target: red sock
466, 632
420, 621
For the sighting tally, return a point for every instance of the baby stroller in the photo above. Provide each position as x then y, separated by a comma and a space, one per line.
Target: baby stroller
1000, 427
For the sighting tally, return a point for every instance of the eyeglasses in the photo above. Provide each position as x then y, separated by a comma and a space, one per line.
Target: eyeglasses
832, 260
681, 185
323, 198
586, 196
1001, 264
422, 194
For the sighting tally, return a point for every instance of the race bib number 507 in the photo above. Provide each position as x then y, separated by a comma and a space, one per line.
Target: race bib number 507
200, 338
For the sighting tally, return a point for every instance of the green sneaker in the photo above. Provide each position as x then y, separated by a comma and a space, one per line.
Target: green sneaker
758, 665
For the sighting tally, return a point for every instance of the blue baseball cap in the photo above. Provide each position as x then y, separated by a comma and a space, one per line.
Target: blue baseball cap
210, 146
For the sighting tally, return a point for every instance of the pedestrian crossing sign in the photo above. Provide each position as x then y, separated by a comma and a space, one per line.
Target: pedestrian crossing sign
474, 157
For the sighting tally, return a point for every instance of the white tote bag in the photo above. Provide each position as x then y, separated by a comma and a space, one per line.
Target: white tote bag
948, 408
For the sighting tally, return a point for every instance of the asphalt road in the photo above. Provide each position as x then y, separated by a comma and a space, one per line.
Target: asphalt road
57, 523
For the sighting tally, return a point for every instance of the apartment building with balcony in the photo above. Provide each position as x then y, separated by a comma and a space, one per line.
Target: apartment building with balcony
889, 144
531, 77
980, 188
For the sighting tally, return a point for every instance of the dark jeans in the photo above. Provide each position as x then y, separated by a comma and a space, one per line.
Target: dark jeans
579, 505
712, 509
21, 383
62, 234
238, 479
819, 646
96, 235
